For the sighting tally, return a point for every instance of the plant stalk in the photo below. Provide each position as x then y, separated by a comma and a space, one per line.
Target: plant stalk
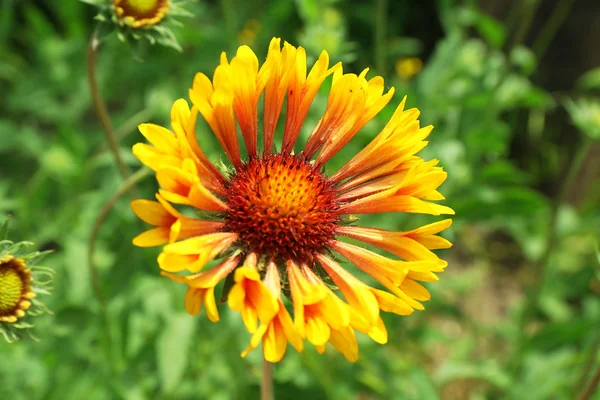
266, 382
590, 389
100, 106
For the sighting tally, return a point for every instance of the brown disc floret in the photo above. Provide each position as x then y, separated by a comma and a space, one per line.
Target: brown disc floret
282, 207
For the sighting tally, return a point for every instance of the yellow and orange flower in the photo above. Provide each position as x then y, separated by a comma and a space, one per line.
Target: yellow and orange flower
277, 219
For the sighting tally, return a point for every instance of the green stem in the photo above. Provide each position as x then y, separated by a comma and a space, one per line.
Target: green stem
551, 27
381, 7
266, 381
100, 106
94, 276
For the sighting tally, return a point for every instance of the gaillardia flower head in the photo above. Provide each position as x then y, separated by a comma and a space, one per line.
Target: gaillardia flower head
136, 19
20, 284
276, 221
138, 13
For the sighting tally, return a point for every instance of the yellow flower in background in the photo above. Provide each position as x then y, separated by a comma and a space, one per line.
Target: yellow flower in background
249, 32
408, 67
140, 13
277, 218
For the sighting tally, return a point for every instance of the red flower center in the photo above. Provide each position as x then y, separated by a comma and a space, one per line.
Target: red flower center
282, 207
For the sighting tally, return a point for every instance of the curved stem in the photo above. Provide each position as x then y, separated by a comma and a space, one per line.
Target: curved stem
100, 107
589, 364
266, 381
94, 277
590, 389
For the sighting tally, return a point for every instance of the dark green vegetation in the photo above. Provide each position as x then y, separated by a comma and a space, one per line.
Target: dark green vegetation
515, 316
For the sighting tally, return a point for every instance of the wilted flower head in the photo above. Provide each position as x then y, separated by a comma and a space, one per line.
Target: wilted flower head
20, 284
275, 220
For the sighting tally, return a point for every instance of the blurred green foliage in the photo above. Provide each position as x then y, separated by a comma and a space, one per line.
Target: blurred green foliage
516, 315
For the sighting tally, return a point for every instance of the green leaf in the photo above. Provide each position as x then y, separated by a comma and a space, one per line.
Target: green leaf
523, 58
491, 30
590, 80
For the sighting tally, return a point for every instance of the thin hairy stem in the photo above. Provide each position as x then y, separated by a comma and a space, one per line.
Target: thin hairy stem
100, 106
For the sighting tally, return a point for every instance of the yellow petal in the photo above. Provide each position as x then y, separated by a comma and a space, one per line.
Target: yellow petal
378, 332
152, 212
317, 331
211, 304
415, 290
176, 262
236, 297
256, 338
162, 138
152, 237
193, 301
250, 318
274, 343
345, 342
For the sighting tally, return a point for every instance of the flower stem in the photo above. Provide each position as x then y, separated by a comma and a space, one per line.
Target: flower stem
587, 369
590, 389
100, 106
266, 382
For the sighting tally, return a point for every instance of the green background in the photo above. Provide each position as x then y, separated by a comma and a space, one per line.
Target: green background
512, 90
